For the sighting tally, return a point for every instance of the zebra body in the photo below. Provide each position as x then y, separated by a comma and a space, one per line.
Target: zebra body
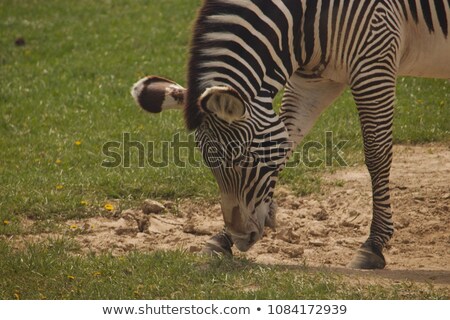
244, 51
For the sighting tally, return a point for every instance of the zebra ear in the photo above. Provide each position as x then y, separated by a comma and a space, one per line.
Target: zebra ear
225, 102
156, 94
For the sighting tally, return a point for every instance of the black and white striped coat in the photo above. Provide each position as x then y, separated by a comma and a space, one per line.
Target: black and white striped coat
243, 52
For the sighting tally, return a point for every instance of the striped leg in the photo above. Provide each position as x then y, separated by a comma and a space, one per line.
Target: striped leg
374, 95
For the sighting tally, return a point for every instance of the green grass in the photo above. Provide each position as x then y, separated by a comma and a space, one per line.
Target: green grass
70, 83
49, 271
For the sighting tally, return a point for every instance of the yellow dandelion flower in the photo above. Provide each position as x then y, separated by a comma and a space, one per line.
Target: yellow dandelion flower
71, 277
58, 161
6, 222
109, 207
83, 203
59, 187
78, 143
73, 227
97, 274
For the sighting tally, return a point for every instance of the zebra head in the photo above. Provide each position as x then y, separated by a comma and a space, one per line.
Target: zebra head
243, 143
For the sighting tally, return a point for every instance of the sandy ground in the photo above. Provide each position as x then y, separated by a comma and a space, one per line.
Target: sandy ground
320, 231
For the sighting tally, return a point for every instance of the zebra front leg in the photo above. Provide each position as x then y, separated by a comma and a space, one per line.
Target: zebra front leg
219, 244
375, 101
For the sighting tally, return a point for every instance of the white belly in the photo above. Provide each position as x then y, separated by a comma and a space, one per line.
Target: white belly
425, 55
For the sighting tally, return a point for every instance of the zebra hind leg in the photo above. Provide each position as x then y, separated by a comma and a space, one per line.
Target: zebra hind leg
376, 115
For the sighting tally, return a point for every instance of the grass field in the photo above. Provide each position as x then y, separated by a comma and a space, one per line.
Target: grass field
65, 93
51, 272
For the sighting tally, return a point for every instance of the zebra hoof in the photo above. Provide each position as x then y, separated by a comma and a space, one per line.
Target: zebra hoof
220, 244
366, 259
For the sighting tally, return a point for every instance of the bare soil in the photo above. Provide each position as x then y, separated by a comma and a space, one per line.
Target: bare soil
319, 231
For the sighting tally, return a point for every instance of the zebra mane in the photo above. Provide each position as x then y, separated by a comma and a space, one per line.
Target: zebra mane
193, 113
212, 32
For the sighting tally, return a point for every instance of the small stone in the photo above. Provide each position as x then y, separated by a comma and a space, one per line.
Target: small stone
130, 213
402, 223
446, 196
152, 206
20, 42
313, 203
347, 224
194, 249
170, 205
317, 243
122, 223
354, 220
196, 230
273, 249
189, 228
394, 251
302, 213
288, 235
294, 205
142, 235
143, 224
318, 230
321, 215
294, 252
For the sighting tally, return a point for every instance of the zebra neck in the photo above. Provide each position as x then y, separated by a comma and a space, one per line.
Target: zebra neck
247, 45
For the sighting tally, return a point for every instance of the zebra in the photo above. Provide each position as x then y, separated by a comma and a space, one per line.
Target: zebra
243, 52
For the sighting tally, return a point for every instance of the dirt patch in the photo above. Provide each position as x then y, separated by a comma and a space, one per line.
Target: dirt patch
321, 230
